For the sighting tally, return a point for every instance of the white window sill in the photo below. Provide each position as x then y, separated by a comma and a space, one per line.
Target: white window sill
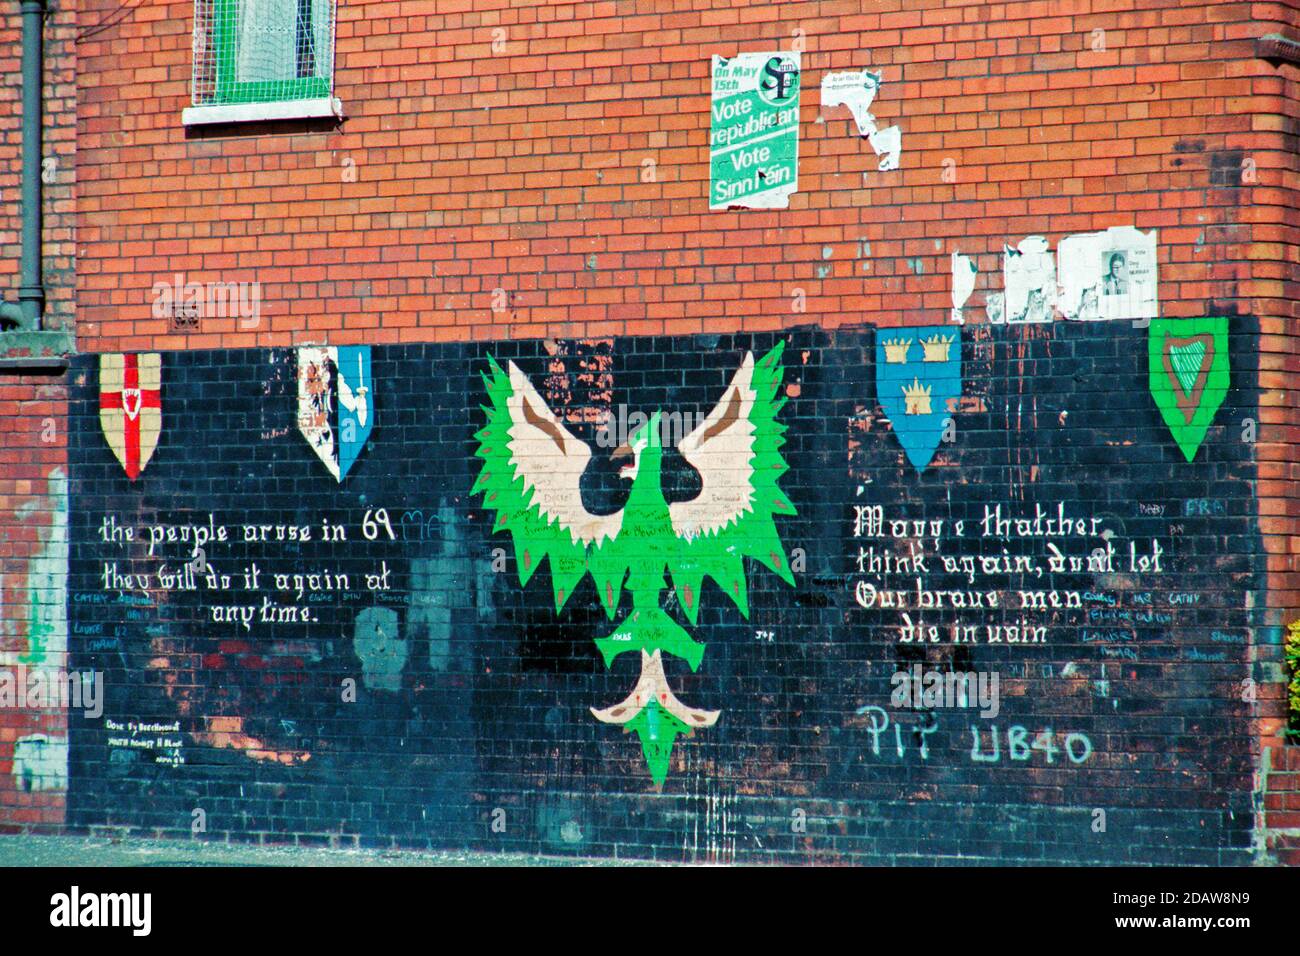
254, 112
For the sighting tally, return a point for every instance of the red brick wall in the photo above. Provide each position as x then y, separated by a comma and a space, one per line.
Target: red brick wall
461, 170
1281, 785
33, 462
59, 153
522, 169
1271, 223
33, 409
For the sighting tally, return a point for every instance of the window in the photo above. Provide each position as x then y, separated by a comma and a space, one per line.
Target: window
262, 59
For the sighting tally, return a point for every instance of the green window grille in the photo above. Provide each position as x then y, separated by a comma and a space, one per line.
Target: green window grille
262, 51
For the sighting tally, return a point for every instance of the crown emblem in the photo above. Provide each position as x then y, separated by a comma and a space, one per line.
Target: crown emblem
917, 398
936, 348
896, 350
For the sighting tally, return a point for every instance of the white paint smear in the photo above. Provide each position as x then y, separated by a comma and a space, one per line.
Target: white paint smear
993, 308
40, 763
1029, 279
857, 91
1109, 275
47, 593
963, 284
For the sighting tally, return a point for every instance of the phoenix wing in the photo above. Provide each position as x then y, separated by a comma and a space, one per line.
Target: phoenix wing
736, 452
531, 468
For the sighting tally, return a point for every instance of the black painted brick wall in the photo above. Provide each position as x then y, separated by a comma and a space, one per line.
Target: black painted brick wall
492, 710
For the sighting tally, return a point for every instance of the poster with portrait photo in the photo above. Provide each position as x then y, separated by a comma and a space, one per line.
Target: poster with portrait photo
1108, 275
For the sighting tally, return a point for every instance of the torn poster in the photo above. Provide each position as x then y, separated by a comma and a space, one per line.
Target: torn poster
856, 91
754, 134
993, 308
1109, 275
1029, 277
963, 284
888, 144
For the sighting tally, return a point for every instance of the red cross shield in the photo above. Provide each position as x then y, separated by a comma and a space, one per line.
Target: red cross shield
130, 407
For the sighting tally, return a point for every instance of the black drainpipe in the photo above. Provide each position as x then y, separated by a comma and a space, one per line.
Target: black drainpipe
26, 313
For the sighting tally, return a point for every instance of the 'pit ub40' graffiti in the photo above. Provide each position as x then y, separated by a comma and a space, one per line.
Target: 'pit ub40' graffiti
530, 477
335, 403
918, 376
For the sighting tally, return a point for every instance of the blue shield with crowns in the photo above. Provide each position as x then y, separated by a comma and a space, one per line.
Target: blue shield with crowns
918, 384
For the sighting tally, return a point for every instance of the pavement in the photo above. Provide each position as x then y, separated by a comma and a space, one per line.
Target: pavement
107, 851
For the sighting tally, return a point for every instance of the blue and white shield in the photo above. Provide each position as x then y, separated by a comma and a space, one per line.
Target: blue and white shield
335, 403
918, 384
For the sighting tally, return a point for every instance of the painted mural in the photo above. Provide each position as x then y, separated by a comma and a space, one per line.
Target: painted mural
335, 404
130, 407
531, 470
727, 546
1188, 365
918, 383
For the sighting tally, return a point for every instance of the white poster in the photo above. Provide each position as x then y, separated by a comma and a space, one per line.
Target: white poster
963, 284
1029, 277
1109, 275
